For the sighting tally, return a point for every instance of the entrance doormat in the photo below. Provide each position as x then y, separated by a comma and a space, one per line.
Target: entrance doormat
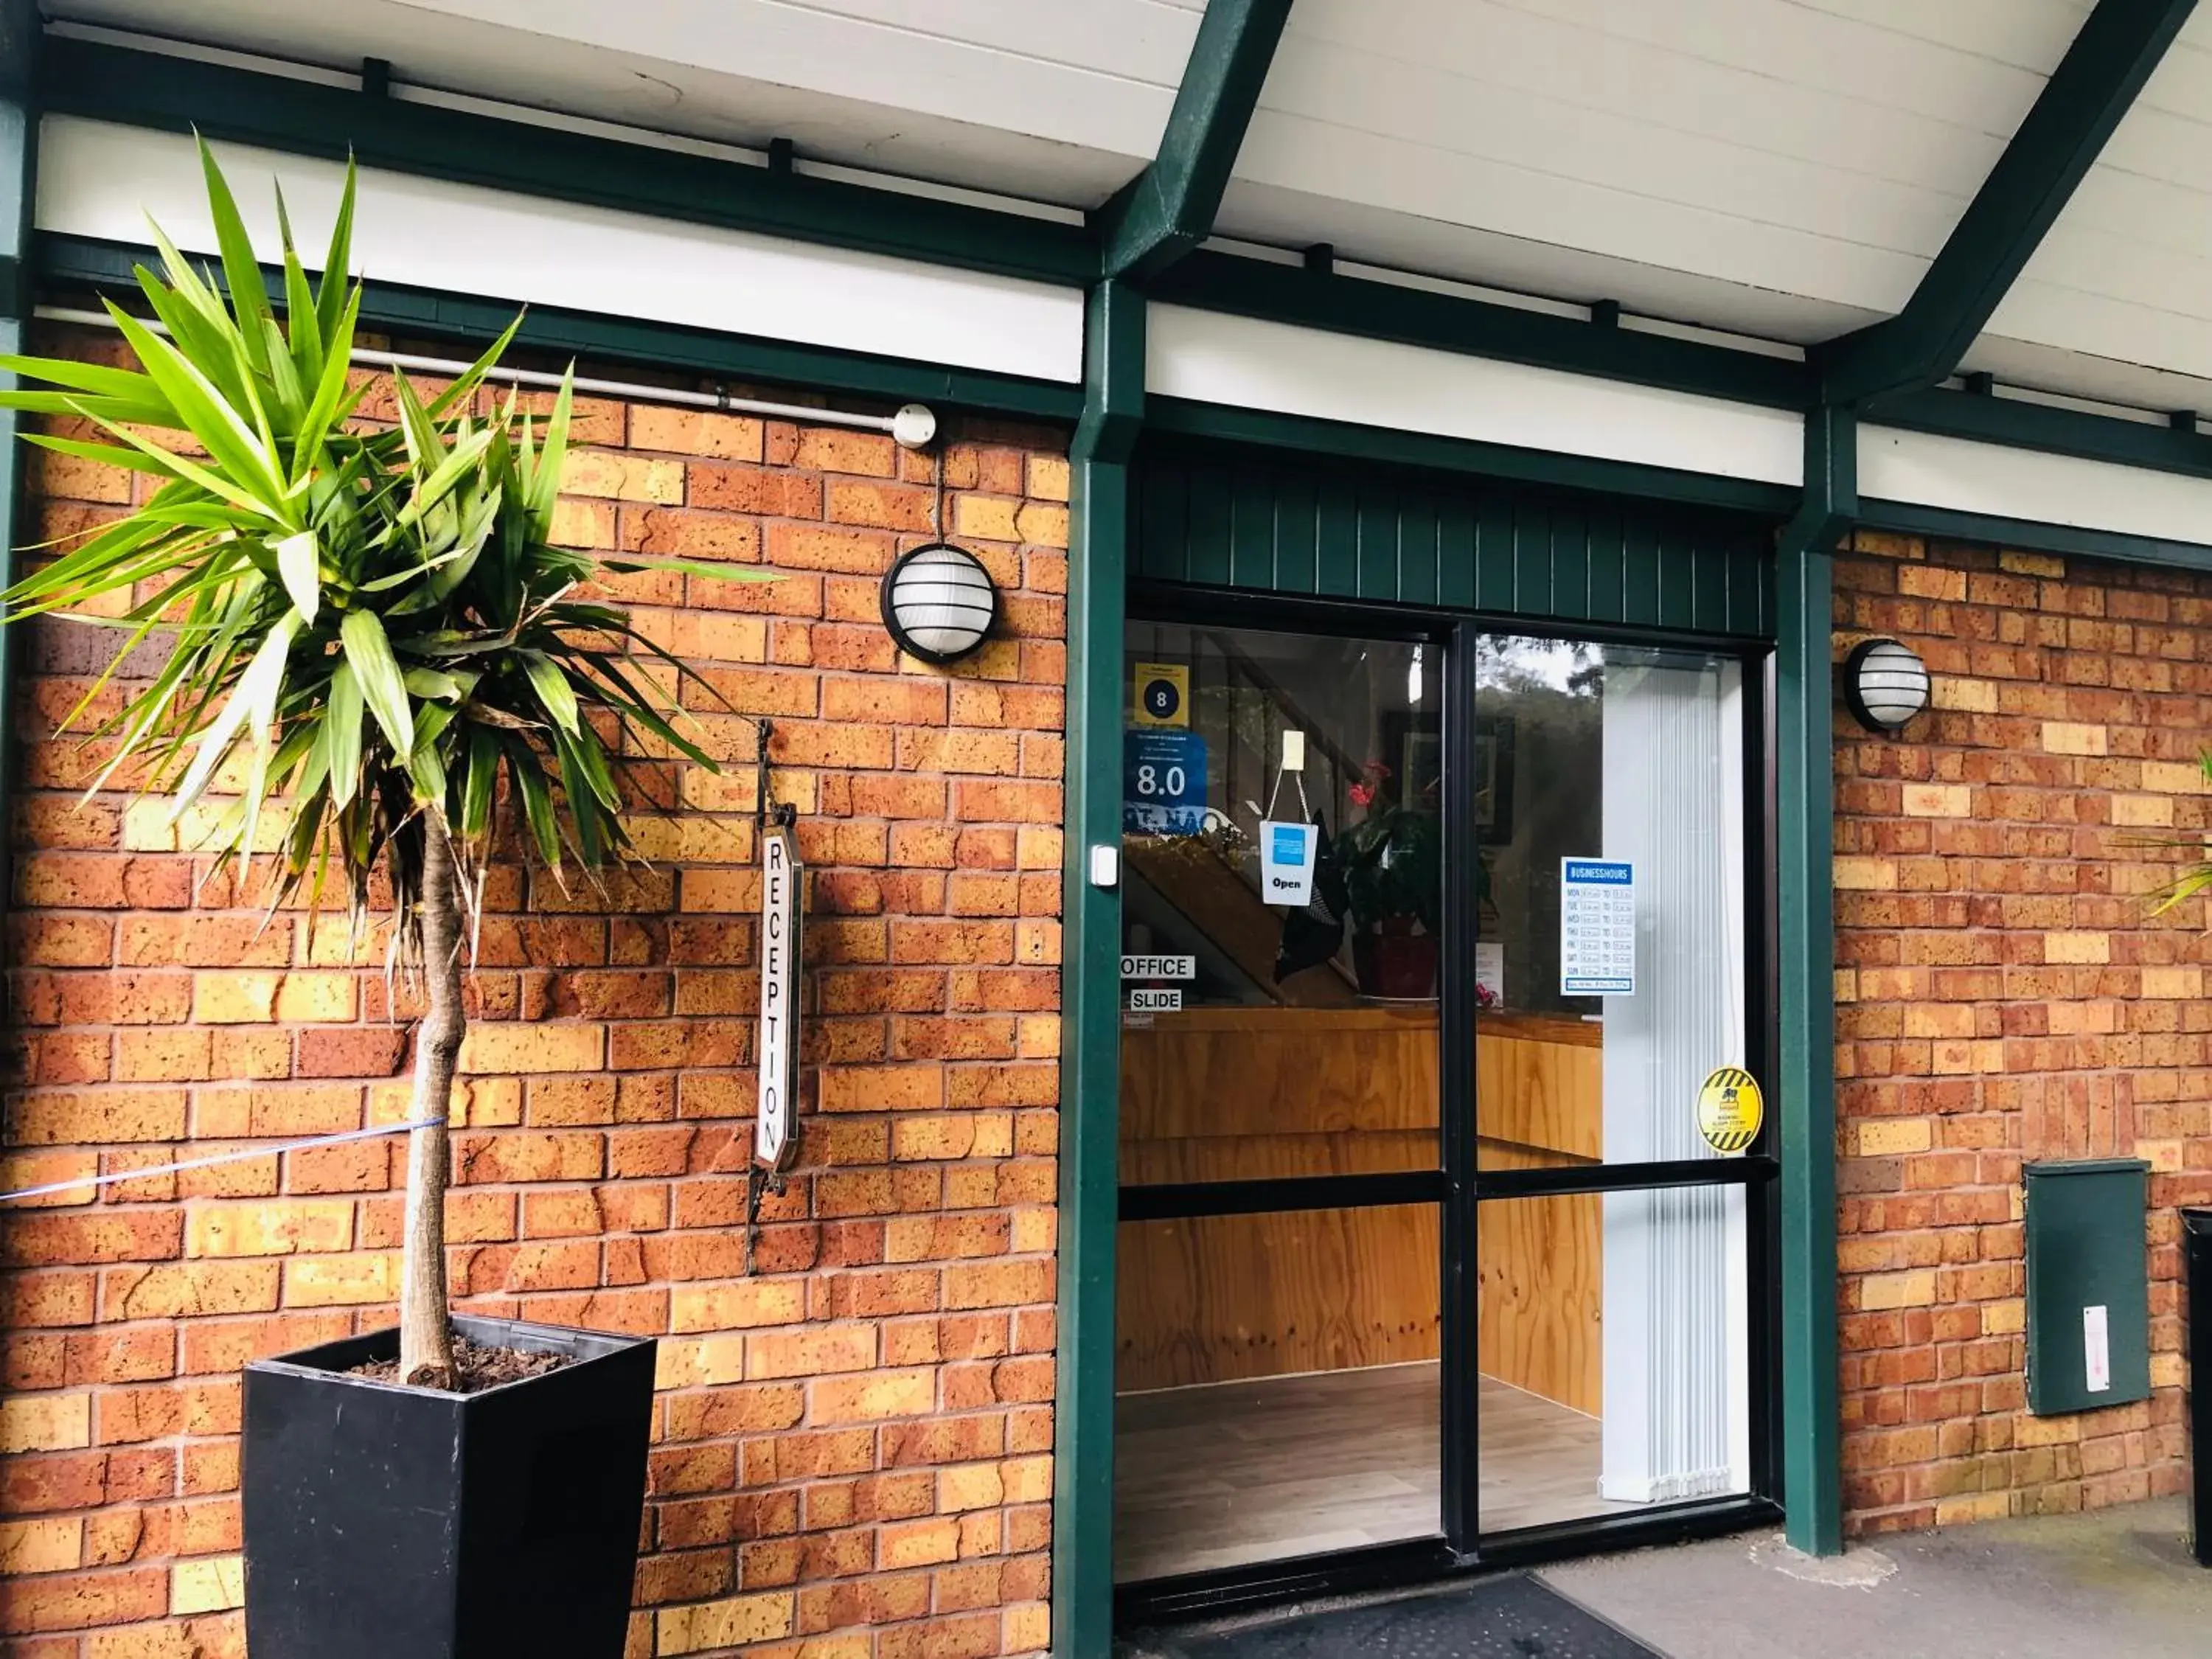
1510, 1616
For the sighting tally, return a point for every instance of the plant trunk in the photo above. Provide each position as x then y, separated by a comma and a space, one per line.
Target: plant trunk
426, 1342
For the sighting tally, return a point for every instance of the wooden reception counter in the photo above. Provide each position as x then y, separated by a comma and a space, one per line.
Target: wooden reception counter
1249, 1093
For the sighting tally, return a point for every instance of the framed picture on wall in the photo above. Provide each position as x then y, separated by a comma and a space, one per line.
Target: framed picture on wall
1414, 744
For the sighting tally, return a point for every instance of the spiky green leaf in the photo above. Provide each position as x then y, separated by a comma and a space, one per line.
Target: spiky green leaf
369, 654
299, 563
557, 696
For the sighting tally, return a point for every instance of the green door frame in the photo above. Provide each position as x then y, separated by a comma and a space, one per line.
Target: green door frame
1805, 840
1102, 554
1100, 499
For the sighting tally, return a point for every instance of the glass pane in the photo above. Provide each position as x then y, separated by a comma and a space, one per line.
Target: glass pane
1282, 856
1614, 1352
1277, 1387
1610, 898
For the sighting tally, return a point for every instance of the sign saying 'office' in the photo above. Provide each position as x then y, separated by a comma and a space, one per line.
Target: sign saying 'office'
782, 875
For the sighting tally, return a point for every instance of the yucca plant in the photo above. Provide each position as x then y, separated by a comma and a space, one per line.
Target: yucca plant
370, 634
2194, 874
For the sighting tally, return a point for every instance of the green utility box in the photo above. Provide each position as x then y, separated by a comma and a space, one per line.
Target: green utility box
2088, 1285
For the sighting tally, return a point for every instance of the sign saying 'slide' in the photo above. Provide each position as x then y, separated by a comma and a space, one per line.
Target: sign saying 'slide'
773, 1145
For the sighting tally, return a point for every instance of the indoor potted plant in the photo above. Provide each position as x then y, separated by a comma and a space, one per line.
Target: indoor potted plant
371, 637
1392, 860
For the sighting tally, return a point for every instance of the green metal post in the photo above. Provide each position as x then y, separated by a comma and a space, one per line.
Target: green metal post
20, 40
1805, 700
1089, 1073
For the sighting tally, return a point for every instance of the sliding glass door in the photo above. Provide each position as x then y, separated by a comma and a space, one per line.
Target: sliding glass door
1443, 1211
1279, 1394
1616, 829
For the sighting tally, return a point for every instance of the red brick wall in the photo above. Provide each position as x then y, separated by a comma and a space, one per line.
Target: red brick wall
852, 1451
2004, 995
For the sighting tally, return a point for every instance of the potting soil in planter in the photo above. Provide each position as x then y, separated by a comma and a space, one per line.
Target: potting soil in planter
474, 1367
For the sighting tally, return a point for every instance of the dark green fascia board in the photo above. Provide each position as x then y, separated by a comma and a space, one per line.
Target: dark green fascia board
2033, 535
1101, 492
66, 262
1185, 418
1210, 280
1168, 210
141, 88
2093, 87
2016, 423
1811, 1458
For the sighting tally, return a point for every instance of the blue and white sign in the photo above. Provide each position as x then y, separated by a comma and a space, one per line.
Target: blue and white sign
1162, 782
1286, 862
1597, 927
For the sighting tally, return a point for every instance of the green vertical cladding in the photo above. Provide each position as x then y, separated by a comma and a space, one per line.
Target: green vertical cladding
20, 40
1812, 1466
1101, 501
1512, 549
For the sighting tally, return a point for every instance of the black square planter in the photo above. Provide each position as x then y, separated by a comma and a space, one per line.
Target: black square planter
389, 1522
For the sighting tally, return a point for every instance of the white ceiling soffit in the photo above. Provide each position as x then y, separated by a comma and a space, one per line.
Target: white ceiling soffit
2077, 375
2126, 273
1784, 168
1061, 102
1765, 145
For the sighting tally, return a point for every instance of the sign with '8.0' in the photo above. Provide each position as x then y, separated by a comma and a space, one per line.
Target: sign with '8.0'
1162, 782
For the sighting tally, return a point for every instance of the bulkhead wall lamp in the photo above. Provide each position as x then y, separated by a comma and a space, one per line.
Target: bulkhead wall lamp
1885, 685
939, 602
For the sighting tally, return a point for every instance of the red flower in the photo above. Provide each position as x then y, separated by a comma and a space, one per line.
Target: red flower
1363, 794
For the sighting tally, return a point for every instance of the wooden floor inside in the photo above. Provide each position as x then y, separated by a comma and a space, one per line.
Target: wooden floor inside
1235, 1472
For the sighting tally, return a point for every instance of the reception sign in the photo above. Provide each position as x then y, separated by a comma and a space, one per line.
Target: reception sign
774, 1146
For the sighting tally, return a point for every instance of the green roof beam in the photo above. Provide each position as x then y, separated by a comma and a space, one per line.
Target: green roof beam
2093, 87
1168, 210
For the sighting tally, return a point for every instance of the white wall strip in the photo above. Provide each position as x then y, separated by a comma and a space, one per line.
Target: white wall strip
2021, 484
1250, 364
99, 180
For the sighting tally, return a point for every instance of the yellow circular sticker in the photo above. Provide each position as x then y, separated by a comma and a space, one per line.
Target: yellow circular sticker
1730, 1109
